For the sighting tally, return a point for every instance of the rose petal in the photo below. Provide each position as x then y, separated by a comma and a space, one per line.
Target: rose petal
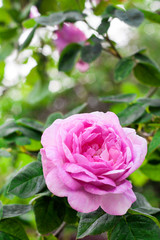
83, 201
117, 204
55, 184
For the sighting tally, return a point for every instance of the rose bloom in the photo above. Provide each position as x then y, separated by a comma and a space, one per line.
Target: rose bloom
87, 158
68, 34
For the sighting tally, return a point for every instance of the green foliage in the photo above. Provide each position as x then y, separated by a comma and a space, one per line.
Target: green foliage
120, 98
135, 227
34, 98
11, 229
28, 181
123, 69
132, 17
49, 214
95, 223
14, 210
147, 74
68, 57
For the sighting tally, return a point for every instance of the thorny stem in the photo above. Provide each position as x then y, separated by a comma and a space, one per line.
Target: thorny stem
151, 92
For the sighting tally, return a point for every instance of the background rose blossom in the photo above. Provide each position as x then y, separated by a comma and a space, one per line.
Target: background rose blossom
69, 33
87, 158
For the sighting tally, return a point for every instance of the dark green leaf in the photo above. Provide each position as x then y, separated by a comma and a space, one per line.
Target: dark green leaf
152, 171
49, 213
8, 128
52, 117
30, 123
76, 110
70, 216
153, 17
132, 17
89, 53
14, 210
135, 228
147, 74
2, 70
123, 69
68, 57
145, 118
104, 26
4, 153
109, 11
28, 39
155, 143
11, 229
71, 5
143, 58
28, 181
95, 223
131, 113
121, 98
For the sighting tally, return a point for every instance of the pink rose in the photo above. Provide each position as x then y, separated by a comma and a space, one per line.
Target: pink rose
69, 33
87, 158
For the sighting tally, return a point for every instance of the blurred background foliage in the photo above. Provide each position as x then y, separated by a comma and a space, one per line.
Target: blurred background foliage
32, 87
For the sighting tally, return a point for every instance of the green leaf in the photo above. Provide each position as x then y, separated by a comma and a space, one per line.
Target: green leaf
138, 212
76, 110
149, 102
5, 50
153, 17
120, 98
29, 23
123, 69
28, 181
11, 229
131, 113
8, 128
143, 58
28, 39
52, 117
60, 17
22, 141
147, 74
104, 26
14, 210
89, 53
30, 123
155, 143
142, 206
95, 223
49, 213
68, 57
132, 17
151, 171
135, 228
4, 153
73, 16
7, 33
51, 20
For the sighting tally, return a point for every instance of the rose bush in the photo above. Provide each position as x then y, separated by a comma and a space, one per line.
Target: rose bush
87, 158
69, 33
